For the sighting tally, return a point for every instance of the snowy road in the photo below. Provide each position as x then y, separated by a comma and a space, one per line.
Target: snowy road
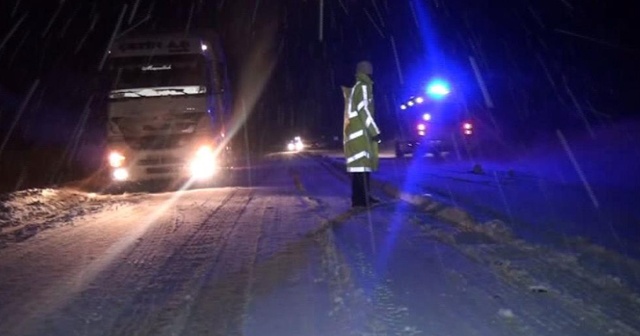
281, 254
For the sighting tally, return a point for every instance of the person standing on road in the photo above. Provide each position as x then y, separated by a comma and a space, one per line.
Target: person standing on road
361, 135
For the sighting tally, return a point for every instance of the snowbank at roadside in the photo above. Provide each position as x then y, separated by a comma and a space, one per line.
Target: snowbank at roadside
25, 213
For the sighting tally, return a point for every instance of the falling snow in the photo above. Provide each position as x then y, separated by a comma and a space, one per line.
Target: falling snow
550, 170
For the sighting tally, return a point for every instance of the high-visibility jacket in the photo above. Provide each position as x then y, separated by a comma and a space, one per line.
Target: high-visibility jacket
360, 151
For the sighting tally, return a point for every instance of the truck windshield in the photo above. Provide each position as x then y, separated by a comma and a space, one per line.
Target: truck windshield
162, 71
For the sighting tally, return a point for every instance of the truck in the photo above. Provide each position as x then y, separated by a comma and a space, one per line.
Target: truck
168, 109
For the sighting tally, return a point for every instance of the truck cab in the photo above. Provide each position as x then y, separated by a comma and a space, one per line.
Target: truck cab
168, 109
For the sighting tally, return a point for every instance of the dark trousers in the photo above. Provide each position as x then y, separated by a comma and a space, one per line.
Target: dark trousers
360, 189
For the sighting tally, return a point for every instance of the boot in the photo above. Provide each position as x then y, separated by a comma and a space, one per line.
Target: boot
373, 201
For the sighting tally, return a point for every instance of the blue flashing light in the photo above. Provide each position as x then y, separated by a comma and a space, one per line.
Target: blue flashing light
426, 117
403, 107
438, 89
419, 100
410, 103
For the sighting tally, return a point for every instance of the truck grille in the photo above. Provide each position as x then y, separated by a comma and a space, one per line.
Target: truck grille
162, 170
157, 142
160, 160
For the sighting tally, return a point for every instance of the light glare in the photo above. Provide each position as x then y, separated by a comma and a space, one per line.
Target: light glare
438, 89
203, 166
116, 159
295, 145
120, 174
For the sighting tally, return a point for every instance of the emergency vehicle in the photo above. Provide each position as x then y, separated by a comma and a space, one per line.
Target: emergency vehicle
433, 126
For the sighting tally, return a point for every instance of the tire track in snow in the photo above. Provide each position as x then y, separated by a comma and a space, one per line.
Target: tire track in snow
175, 285
575, 303
385, 309
114, 291
288, 294
59, 266
371, 301
548, 293
416, 291
224, 292
588, 299
355, 309
298, 277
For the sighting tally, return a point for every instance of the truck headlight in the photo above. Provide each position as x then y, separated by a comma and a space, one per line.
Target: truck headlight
116, 159
204, 164
120, 174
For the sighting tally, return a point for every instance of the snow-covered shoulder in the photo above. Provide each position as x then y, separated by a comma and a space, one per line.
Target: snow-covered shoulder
25, 213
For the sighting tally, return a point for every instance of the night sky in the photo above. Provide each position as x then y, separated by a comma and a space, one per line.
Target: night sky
546, 64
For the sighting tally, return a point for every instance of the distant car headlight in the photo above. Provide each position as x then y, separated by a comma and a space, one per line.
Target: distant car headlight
204, 164
120, 174
295, 145
116, 159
